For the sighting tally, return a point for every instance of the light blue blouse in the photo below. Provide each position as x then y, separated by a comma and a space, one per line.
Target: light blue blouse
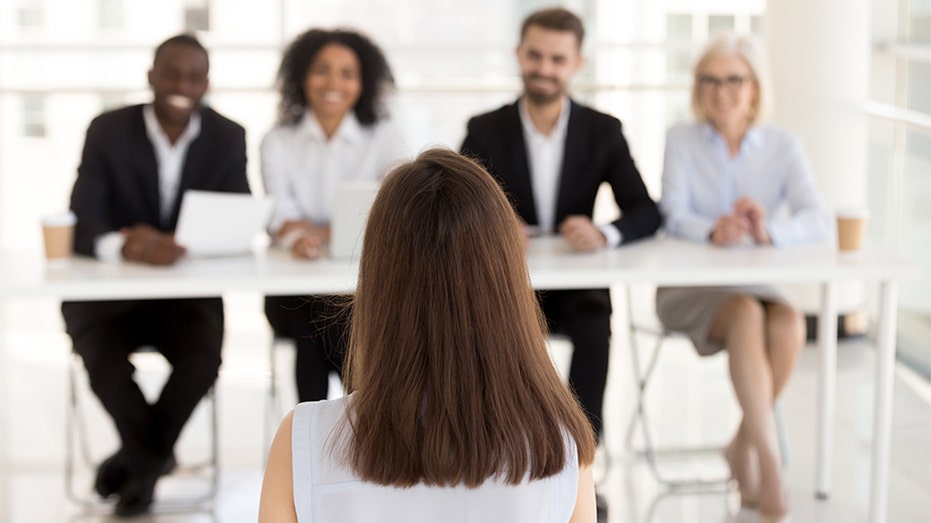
701, 182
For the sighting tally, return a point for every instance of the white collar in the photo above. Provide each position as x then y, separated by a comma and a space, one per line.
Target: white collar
561, 123
751, 139
349, 130
156, 132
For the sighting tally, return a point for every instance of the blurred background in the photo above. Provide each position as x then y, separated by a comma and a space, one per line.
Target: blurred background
851, 77
64, 61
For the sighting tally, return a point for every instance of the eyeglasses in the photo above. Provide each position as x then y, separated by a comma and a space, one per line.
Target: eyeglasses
731, 83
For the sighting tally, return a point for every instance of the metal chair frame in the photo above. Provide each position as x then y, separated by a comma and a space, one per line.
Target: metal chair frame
78, 452
640, 417
272, 401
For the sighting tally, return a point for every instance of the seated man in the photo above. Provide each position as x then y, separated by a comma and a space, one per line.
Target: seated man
551, 154
137, 163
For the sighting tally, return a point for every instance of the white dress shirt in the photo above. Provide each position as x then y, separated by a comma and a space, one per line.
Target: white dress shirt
169, 158
545, 159
701, 182
301, 168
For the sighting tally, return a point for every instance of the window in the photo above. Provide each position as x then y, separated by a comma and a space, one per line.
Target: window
34, 116
30, 15
110, 101
720, 23
196, 15
678, 58
111, 14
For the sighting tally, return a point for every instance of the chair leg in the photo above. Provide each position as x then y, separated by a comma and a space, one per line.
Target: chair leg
272, 402
640, 416
781, 434
76, 445
212, 463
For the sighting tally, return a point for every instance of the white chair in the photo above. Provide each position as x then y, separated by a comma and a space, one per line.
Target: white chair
78, 451
273, 410
640, 416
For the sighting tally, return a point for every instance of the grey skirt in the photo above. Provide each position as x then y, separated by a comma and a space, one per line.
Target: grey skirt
691, 310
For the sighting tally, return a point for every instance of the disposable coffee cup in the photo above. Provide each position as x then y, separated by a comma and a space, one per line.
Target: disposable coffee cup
58, 233
851, 229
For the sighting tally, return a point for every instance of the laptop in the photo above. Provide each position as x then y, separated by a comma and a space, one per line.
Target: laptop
350, 210
221, 223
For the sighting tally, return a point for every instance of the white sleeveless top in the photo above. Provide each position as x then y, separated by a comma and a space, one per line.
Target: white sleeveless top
327, 490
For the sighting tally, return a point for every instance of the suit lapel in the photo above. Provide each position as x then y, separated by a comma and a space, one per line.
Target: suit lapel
520, 184
144, 154
195, 160
572, 159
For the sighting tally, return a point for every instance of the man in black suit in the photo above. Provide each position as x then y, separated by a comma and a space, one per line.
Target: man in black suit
137, 163
551, 155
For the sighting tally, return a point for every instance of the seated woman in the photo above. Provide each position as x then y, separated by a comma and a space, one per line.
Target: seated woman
455, 404
731, 180
332, 128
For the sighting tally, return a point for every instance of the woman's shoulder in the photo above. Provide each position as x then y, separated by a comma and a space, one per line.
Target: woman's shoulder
324, 413
385, 126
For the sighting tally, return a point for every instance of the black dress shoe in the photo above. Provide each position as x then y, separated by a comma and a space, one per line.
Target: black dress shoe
111, 475
137, 493
601, 508
136, 496
170, 465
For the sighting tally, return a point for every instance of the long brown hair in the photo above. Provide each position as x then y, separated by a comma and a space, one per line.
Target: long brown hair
452, 382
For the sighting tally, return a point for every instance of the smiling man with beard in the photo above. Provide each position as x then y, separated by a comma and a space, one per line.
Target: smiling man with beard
136, 164
551, 155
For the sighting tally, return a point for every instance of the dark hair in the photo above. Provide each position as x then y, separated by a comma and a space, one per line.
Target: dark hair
181, 39
300, 54
448, 363
555, 19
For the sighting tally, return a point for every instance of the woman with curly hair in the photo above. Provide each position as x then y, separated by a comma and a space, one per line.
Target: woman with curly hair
332, 128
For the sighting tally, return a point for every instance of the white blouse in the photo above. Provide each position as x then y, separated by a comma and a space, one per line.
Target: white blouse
326, 488
301, 168
701, 182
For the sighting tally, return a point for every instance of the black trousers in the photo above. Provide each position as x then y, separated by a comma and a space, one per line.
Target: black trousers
319, 326
585, 317
189, 333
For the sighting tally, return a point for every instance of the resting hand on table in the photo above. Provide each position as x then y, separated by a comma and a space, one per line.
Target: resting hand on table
304, 239
582, 234
146, 244
729, 230
756, 218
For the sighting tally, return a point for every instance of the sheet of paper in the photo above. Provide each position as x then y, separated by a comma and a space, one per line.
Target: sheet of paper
221, 223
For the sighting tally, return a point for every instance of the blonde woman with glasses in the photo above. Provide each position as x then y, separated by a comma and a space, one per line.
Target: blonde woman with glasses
733, 181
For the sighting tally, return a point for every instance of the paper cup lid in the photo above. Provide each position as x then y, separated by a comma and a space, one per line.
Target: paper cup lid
60, 219
853, 212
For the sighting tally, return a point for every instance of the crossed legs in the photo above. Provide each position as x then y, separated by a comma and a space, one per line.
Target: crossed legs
763, 342
189, 333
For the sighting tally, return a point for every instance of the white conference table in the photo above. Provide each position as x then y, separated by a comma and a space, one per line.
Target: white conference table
552, 265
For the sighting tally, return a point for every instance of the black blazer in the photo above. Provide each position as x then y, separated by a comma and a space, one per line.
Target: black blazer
595, 152
117, 183
117, 186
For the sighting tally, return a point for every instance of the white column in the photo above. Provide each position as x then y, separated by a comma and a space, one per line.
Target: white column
819, 54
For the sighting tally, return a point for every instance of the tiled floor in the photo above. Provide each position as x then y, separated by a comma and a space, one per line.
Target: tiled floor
690, 402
